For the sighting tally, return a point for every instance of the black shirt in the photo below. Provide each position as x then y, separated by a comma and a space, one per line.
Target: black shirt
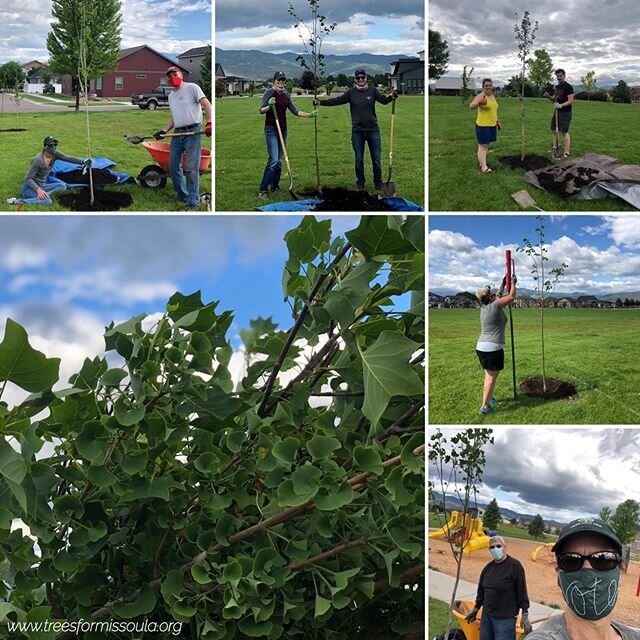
563, 91
363, 106
502, 589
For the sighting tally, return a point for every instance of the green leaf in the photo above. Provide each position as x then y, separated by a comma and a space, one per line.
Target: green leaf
395, 487
21, 364
64, 561
322, 446
414, 231
232, 571
368, 459
286, 450
183, 610
172, 586
200, 343
254, 629
6, 518
100, 476
200, 574
12, 465
128, 413
306, 480
387, 373
133, 325
235, 440
113, 377
135, 462
308, 239
207, 463
91, 442
322, 606
40, 614
407, 459
143, 604
373, 238
330, 501
287, 497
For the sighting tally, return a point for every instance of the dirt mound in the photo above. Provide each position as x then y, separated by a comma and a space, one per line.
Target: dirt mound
100, 176
103, 200
530, 163
556, 389
340, 199
568, 183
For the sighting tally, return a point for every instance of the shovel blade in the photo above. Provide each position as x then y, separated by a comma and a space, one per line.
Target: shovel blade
524, 199
134, 139
389, 189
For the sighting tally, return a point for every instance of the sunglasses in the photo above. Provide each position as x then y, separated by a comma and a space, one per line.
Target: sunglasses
600, 561
360, 77
281, 80
496, 546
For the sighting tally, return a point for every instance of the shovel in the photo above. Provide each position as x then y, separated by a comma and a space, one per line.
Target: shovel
525, 200
284, 150
139, 139
388, 187
556, 149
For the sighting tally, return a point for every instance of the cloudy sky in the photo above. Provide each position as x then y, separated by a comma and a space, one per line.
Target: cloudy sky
562, 474
169, 26
468, 252
364, 26
580, 35
65, 278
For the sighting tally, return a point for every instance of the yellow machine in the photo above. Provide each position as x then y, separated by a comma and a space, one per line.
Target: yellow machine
468, 531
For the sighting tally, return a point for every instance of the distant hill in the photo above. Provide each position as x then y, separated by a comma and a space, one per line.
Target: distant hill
260, 65
632, 295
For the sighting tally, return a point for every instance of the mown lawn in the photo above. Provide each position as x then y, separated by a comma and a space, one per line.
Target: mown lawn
107, 131
241, 152
455, 181
591, 348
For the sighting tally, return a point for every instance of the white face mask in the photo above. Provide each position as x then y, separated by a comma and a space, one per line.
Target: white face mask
497, 553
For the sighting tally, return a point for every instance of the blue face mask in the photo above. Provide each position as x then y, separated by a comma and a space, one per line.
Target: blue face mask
497, 553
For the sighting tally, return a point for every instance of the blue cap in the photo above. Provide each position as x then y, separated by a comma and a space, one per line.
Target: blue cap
360, 72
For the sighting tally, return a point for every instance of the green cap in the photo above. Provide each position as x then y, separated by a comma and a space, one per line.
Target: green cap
587, 525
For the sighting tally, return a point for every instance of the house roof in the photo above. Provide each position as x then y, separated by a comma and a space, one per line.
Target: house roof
31, 64
220, 71
449, 82
127, 52
194, 51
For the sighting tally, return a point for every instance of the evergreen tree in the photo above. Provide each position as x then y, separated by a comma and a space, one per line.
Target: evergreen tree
205, 73
536, 526
626, 520
605, 514
492, 515
438, 55
621, 92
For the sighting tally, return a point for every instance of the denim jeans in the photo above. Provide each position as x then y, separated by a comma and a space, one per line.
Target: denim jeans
497, 628
372, 138
191, 147
29, 196
271, 175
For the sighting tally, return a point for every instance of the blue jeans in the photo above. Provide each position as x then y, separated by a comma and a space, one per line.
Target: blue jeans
497, 628
273, 170
372, 138
29, 196
191, 146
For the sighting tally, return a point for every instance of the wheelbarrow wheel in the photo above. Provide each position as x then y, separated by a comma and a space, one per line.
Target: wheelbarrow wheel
454, 634
152, 177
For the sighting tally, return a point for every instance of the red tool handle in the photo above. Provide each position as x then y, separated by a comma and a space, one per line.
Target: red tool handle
508, 264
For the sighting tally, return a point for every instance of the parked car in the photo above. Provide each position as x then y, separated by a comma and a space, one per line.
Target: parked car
159, 97
48, 88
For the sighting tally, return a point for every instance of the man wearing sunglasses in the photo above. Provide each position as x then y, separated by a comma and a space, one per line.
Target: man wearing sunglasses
502, 592
589, 555
362, 100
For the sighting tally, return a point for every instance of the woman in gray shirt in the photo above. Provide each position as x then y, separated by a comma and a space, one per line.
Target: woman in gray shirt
490, 345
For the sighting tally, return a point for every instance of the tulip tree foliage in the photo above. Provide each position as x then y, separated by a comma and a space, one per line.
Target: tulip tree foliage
286, 505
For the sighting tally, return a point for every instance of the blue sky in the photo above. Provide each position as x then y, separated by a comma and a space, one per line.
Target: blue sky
603, 252
65, 278
169, 26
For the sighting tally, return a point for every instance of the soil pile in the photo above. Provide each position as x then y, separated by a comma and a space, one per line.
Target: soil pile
530, 163
556, 389
566, 184
100, 176
103, 200
340, 199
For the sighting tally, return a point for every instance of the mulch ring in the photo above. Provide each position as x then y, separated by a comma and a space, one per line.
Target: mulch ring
340, 199
100, 176
9, 130
103, 200
570, 182
530, 163
556, 389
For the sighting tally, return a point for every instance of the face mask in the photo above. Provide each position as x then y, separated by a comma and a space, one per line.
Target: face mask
51, 148
590, 594
175, 81
497, 553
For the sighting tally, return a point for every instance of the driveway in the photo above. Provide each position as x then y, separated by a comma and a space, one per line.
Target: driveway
27, 106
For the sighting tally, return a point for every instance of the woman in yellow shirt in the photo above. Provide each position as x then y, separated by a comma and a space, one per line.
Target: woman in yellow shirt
487, 123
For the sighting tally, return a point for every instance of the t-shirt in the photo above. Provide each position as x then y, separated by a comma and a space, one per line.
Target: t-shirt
563, 91
493, 321
363, 106
502, 589
283, 102
184, 103
556, 629
39, 170
488, 113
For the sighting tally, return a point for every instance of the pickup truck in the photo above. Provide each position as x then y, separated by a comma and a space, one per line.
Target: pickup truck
159, 97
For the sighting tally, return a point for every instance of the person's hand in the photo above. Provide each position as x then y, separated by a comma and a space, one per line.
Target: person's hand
504, 282
42, 194
514, 280
158, 135
557, 105
316, 102
472, 615
207, 129
313, 114
394, 94
546, 94
272, 101
526, 625
86, 163
499, 124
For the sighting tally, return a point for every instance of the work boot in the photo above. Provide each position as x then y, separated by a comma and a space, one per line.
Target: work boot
263, 195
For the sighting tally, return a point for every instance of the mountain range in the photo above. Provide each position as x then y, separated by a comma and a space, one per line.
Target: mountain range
260, 65
632, 295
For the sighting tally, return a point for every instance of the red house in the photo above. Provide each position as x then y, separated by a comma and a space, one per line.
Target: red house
139, 69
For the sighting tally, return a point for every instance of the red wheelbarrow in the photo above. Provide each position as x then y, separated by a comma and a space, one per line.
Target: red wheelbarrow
154, 176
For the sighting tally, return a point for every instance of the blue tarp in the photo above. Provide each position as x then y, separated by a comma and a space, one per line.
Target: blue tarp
61, 166
396, 204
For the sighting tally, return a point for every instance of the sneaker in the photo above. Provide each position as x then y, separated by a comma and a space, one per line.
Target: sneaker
263, 195
360, 187
379, 187
11, 201
275, 189
485, 410
493, 402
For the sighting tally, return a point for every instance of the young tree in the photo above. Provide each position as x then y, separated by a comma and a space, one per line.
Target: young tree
536, 526
492, 517
100, 31
605, 514
621, 92
525, 35
538, 255
205, 73
313, 59
465, 92
540, 69
438, 55
458, 463
589, 82
626, 520
221, 88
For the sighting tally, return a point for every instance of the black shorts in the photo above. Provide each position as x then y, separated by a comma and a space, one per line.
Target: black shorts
491, 360
564, 120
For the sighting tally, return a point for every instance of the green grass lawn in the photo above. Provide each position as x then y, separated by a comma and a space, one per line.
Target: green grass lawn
241, 152
592, 348
438, 613
455, 181
107, 131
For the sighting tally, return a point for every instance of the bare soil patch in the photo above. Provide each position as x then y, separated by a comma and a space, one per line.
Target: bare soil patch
556, 389
530, 162
103, 200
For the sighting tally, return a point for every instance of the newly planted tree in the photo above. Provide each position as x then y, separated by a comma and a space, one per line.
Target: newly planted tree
525, 35
466, 92
312, 60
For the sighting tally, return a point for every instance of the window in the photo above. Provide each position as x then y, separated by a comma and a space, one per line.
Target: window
141, 76
99, 84
119, 83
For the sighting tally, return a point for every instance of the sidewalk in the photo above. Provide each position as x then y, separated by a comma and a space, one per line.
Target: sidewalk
440, 586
